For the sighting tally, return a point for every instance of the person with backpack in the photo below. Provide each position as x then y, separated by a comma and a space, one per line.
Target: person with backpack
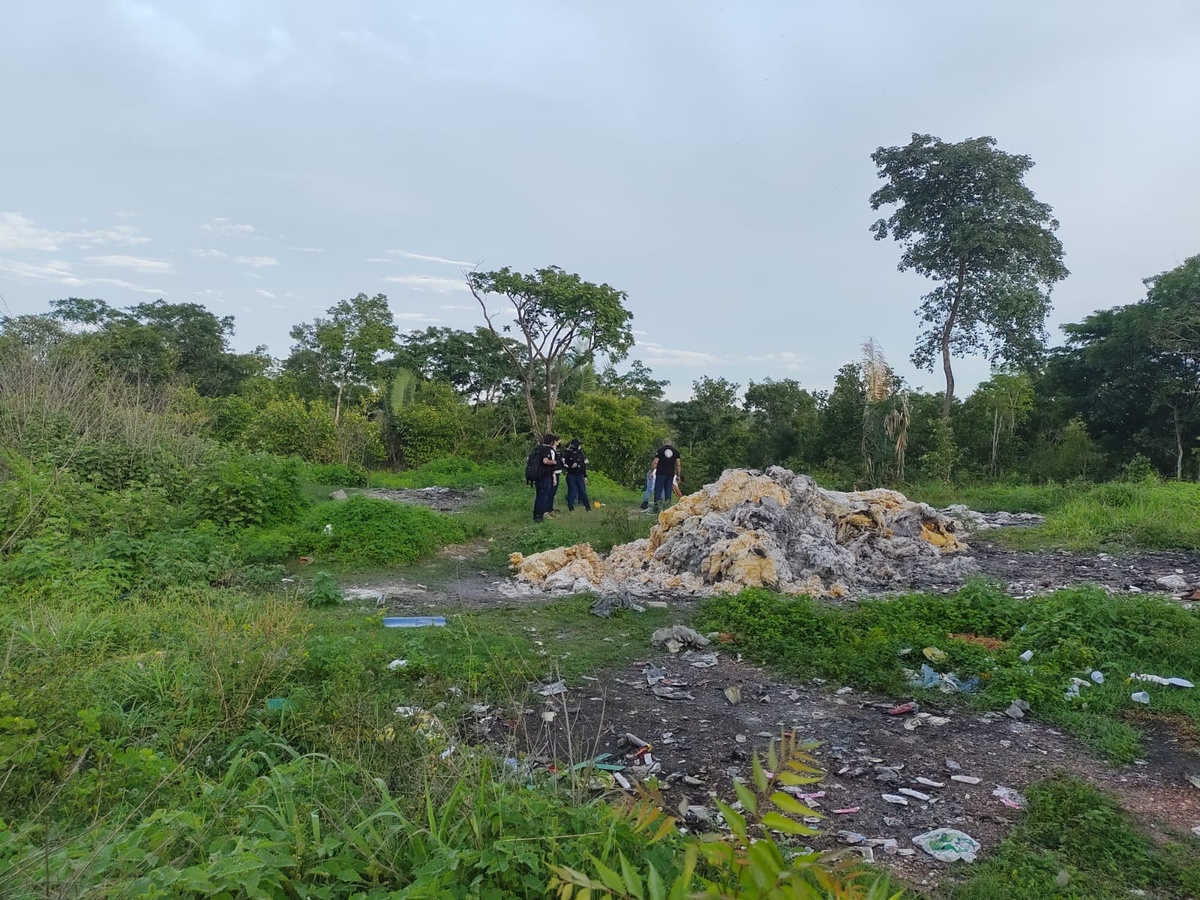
666, 470
539, 471
575, 462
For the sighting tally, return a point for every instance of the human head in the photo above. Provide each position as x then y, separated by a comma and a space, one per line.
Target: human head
574, 445
666, 442
548, 439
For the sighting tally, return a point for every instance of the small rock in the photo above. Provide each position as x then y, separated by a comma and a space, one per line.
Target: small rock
338, 495
740, 738
1173, 583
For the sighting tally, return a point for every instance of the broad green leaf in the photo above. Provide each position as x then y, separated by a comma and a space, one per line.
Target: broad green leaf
749, 801
760, 777
791, 805
784, 825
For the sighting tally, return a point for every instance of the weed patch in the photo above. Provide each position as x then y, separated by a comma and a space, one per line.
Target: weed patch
364, 531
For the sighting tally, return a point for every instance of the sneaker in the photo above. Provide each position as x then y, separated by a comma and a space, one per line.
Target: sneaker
645, 504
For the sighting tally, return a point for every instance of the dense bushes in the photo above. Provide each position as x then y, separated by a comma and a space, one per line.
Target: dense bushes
365, 531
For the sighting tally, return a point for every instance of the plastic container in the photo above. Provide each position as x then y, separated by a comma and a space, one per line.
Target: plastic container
413, 621
1140, 697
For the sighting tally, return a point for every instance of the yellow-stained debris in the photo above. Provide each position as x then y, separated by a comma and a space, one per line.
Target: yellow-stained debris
581, 558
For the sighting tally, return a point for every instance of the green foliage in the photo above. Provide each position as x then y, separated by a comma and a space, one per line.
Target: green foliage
873, 644
368, 532
1075, 843
324, 591
965, 218
236, 489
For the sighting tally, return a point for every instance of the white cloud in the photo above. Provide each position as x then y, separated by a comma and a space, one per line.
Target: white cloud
266, 294
433, 259
258, 262
253, 275
56, 272
452, 306
129, 286
210, 254
225, 226
789, 361
435, 283
657, 353
308, 249
18, 232
125, 214
137, 263
416, 317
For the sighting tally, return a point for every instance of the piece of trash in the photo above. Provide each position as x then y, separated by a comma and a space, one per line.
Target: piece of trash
903, 709
1196, 830
622, 781
554, 689
927, 678
549, 715
1011, 798
948, 844
654, 674
701, 660
913, 724
397, 664
740, 738
966, 779
1027, 655
851, 837
605, 606
1179, 682
937, 721
930, 783
1194, 780
407, 712
413, 621
278, 704
1017, 710
952, 766
916, 795
635, 741
848, 811
887, 845
933, 654
894, 799
1140, 697
675, 637
1097, 676
733, 694
907, 851
844, 690
672, 692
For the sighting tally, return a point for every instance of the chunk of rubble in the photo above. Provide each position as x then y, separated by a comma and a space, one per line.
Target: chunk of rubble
773, 529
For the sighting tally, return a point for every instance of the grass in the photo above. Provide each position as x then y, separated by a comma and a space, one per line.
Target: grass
1070, 632
1075, 843
1119, 516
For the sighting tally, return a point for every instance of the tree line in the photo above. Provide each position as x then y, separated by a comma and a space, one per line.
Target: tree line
1120, 394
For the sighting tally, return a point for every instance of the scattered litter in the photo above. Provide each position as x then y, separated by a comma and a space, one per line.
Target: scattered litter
916, 795
413, 621
844, 690
1194, 780
893, 798
1097, 676
675, 637
913, 724
1027, 655
887, 845
554, 689
936, 720
902, 709
907, 851
407, 712
966, 779
1196, 830
622, 781
654, 674
948, 682
1017, 710
701, 660
930, 783
549, 715
630, 738
850, 810
278, 704
1140, 697
740, 738
851, 837
1158, 679
952, 766
605, 606
933, 654
948, 845
672, 692
733, 694
1011, 798
397, 664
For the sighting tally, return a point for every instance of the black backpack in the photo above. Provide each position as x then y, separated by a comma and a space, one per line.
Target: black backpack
533, 465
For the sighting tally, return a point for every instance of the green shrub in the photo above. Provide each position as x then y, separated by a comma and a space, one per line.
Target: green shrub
366, 531
336, 475
236, 489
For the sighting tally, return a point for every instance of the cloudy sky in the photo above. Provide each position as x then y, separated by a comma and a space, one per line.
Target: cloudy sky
269, 158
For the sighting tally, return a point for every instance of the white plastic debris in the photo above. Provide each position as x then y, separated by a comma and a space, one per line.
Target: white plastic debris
1140, 697
1027, 655
397, 664
948, 844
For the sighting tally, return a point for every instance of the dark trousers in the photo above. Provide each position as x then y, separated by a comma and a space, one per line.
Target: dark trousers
577, 491
662, 489
544, 498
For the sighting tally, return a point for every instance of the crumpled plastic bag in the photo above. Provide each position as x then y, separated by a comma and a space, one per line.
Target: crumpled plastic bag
948, 844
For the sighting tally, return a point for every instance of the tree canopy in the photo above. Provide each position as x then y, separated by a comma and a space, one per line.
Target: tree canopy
964, 218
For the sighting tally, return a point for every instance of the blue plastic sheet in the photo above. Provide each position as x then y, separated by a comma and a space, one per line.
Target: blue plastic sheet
413, 621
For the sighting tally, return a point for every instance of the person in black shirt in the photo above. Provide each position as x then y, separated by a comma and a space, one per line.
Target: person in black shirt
575, 462
545, 482
666, 465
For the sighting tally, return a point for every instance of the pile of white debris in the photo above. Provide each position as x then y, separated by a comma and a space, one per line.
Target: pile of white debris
773, 529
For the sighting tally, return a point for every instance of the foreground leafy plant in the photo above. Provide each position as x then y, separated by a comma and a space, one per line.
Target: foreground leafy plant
740, 864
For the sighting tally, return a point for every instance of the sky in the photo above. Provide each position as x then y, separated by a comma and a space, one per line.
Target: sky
711, 159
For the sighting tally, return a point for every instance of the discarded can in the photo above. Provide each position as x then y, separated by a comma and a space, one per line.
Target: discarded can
413, 621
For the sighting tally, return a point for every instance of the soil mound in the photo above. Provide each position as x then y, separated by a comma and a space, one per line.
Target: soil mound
773, 529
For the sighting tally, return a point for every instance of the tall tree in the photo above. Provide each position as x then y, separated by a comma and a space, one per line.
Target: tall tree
474, 363
783, 417
342, 352
564, 323
965, 219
